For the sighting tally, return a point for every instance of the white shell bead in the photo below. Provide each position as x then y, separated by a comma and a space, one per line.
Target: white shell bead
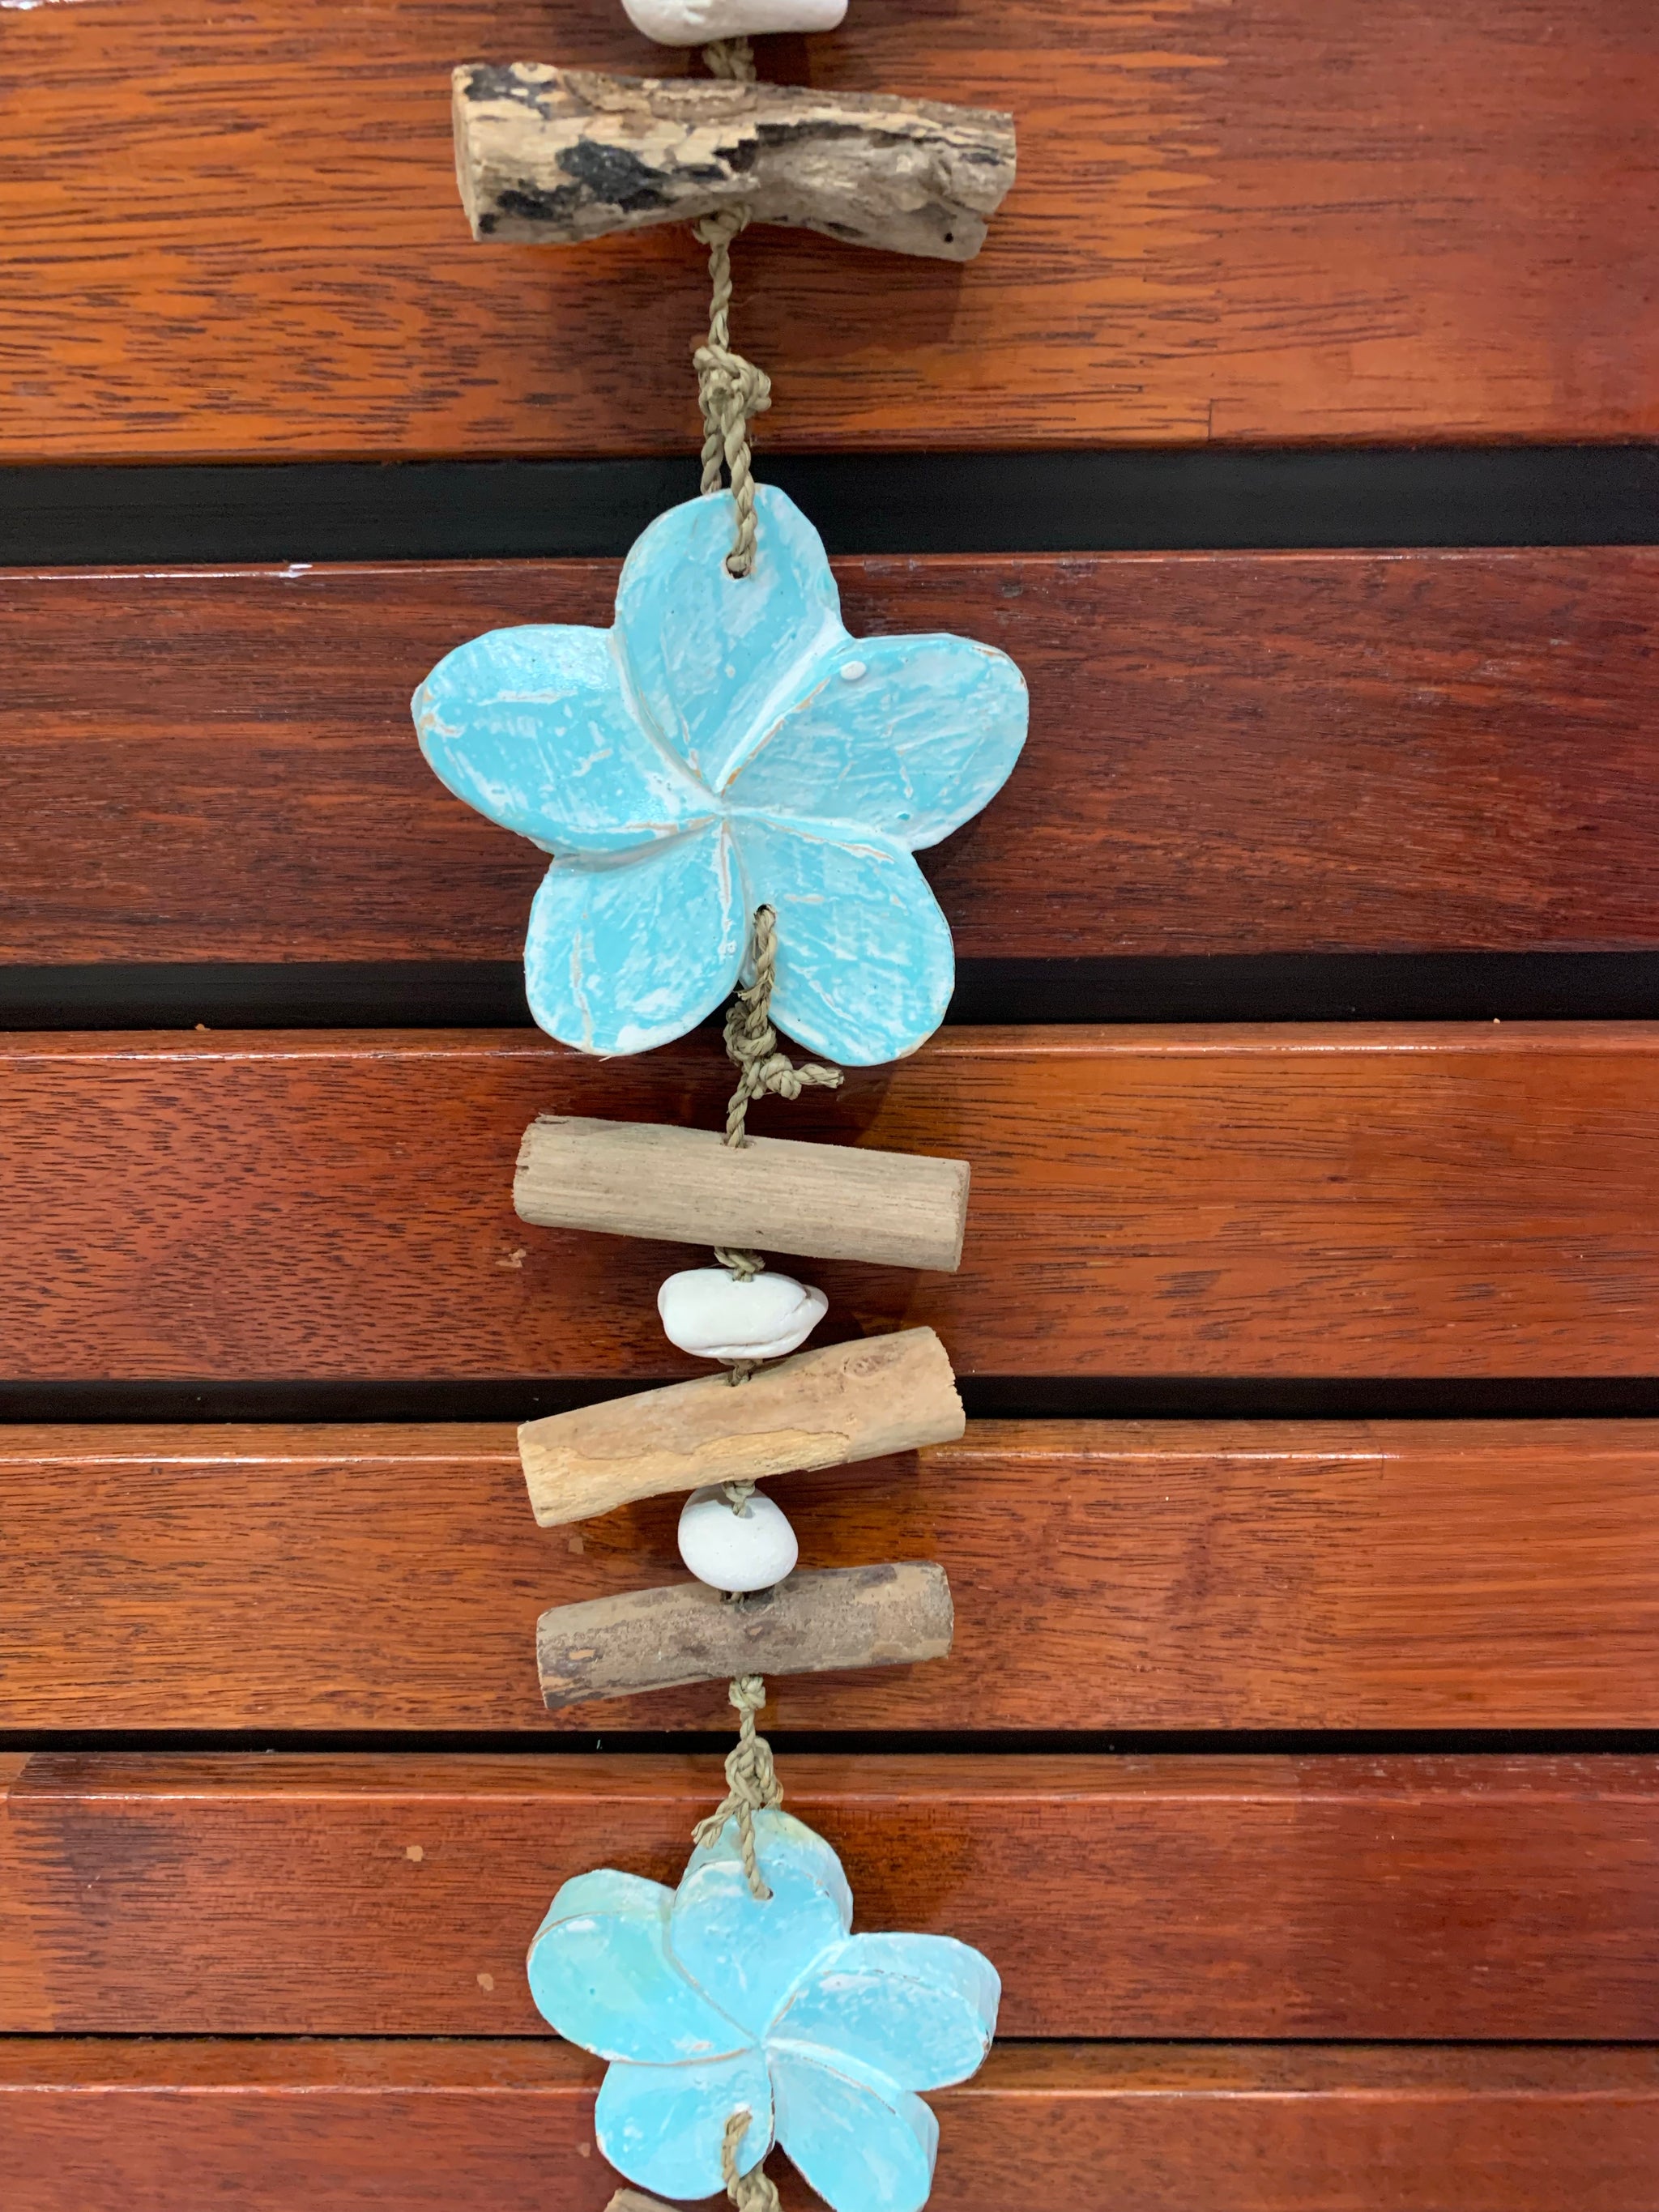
710, 1313
733, 1551
692, 22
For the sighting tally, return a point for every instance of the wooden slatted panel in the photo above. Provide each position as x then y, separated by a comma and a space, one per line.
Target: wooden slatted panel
343, 2127
1451, 1200
235, 232
1389, 1576
1229, 753
1223, 1897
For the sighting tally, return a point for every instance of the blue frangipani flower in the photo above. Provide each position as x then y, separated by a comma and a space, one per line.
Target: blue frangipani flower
708, 2002
728, 745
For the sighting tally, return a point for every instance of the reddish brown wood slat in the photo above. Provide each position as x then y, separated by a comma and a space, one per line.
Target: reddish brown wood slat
1397, 1575
343, 2127
1229, 753
23, 2000
1354, 1200
235, 232
1413, 1898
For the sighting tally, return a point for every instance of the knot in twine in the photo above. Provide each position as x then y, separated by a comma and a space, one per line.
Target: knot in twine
731, 391
751, 1042
733, 58
751, 1046
751, 1784
750, 2191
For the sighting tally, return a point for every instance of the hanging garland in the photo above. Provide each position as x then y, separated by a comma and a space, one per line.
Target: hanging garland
731, 789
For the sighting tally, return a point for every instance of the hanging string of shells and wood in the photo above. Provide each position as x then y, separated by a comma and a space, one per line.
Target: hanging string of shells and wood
731, 789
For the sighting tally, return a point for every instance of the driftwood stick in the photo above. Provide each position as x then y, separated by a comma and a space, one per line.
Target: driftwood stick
629, 2200
552, 156
659, 1639
821, 1408
772, 1195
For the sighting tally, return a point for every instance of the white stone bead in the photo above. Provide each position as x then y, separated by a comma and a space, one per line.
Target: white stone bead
733, 1551
709, 1312
694, 22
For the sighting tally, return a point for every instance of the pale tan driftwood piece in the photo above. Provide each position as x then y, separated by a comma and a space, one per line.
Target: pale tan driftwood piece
629, 2200
772, 1195
659, 1639
820, 1408
552, 156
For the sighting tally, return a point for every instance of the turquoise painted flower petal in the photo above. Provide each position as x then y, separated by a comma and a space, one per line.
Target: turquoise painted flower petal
534, 728
921, 2009
627, 953
714, 658
909, 735
865, 966
662, 2126
748, 1953
600, 1972
863, 2144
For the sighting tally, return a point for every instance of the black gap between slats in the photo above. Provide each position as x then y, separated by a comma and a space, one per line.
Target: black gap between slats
1358, 1743
1019, 502
984, 1397
1419, 986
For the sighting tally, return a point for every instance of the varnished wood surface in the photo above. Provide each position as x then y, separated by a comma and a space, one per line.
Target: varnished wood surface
23, 2000
1395, 1575
1404, 1898
110, 2126
1229, 753
1450, 1201
235, 232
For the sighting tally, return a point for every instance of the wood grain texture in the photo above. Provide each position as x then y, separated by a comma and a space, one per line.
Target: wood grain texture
1229, 752
832, 1405
109, 2126
22, 1998
1395, 1575
867, 1615
690, 1186
1279, 219
545, 156
1458, 1200
1415, 1899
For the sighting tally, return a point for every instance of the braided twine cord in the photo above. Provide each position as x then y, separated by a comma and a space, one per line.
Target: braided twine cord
750, 2191
733, 58
751, 1042
731, 391
751, 1046
751, 1784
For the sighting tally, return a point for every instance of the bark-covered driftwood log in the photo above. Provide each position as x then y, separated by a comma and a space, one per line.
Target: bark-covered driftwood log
551, 156
660, 1639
